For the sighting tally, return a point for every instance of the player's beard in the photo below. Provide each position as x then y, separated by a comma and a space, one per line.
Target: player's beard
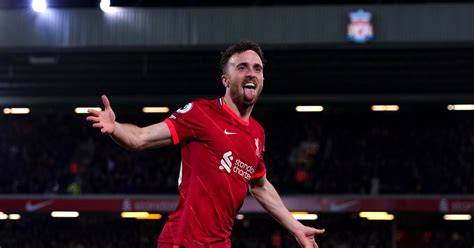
242, 98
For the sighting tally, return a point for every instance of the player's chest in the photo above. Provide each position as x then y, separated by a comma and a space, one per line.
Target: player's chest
238, 149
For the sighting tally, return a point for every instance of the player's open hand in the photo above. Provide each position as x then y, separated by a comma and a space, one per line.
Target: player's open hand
104, 120
306, 236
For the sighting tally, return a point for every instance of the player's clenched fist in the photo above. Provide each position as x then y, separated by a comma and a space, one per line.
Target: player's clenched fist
104, 120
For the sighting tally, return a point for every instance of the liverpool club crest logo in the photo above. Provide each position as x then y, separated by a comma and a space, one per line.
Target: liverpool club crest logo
360, 29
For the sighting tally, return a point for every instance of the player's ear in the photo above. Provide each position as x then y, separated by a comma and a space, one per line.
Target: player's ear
225, 80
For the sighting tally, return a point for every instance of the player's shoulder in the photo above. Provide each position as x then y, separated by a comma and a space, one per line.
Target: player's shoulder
198, 103
203, 102
256, 125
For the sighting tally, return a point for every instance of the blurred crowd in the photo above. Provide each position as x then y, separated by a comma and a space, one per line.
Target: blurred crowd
254, 231
108, 230
88, 231
339, 151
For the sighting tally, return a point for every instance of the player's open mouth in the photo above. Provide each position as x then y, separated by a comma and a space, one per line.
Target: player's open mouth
250, 91
250, 86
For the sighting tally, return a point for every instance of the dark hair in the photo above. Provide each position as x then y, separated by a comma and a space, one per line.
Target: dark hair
240, 47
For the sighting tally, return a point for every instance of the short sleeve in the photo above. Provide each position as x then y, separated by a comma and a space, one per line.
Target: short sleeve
186, 123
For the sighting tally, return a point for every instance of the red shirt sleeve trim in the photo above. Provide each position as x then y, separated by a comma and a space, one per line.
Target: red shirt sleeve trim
174, 134
258, 175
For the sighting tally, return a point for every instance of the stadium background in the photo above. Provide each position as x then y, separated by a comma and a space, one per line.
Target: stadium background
415, 163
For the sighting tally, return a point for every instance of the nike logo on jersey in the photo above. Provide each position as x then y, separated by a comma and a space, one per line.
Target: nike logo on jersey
228, 133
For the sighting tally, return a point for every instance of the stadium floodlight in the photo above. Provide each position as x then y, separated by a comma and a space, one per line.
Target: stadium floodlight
385, 108
376, 215
309, 108
457, 217
134, 214
39, 5
83, 110
14, 216
155, 109
64, 214
240, 216
304, 216
150, 217
105, 6
141, 215
3, 216
460, 107
16, 111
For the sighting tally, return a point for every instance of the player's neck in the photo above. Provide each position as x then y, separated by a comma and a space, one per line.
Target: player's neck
241, 111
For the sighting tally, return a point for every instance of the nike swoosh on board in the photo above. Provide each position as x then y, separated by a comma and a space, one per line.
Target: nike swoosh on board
335, 207
30, 207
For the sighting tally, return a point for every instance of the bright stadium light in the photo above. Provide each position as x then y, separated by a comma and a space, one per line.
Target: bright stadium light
14, 216
240, 216
16, 111
105, 6
3, 216
385, 108
134, 214
376, 215
457, 217
141, 215
309, 108
39, 5
304, 216
155, 109
64, 214
151, 217
83, 110
460, 107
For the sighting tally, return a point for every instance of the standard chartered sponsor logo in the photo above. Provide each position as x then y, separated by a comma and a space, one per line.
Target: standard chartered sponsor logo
243, 169
239, 167
226, 161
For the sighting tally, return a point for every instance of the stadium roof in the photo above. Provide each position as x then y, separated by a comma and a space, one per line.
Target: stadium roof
199, 3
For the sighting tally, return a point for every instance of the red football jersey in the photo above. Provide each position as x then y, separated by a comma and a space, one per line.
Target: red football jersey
220, 154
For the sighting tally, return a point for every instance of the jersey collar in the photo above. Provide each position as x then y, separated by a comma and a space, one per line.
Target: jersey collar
234, 115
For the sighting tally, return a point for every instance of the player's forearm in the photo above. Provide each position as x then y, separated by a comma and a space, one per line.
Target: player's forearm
128, 136
270, 200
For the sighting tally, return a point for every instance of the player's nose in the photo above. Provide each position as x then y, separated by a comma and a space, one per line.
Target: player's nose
251, 73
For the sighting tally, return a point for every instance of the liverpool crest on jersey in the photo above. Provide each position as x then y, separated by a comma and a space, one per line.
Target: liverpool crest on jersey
360, 30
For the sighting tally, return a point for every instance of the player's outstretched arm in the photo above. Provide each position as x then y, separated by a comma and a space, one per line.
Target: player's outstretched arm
129, 136
268, 197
